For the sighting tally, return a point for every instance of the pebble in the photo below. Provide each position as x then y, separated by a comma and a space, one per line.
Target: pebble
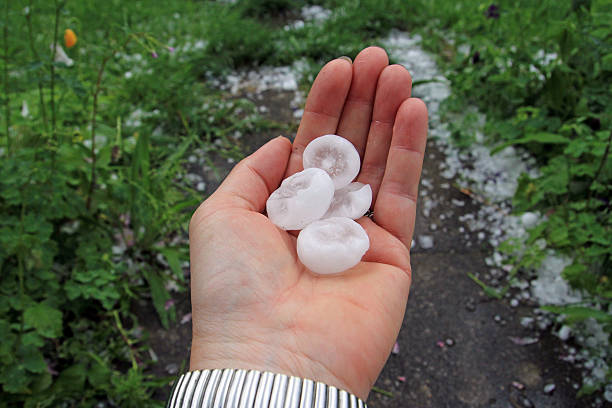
523, 341
549, 388
426, 241
171, 368
564, 332
186, 318
524, 402
396, 348
470, 305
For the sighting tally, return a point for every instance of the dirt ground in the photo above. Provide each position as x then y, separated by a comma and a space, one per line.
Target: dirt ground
456, 345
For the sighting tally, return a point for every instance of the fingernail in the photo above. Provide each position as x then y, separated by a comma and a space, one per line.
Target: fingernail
344, 57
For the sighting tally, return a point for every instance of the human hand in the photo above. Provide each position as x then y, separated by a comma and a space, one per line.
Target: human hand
255, 306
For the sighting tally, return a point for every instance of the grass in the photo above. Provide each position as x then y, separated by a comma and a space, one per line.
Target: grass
93, 187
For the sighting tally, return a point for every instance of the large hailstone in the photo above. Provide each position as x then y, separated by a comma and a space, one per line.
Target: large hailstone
332, 245
352, 201
334, 154
301, 199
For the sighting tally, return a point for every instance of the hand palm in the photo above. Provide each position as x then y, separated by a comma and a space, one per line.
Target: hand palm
254, 304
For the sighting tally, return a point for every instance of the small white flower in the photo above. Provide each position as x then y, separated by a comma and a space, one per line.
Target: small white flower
25, 111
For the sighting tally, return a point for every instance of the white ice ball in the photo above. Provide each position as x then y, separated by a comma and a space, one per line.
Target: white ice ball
336, 155
529, 219
352, 201
332, 245
301, 199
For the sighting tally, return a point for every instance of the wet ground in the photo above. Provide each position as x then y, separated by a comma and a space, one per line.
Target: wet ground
457, 347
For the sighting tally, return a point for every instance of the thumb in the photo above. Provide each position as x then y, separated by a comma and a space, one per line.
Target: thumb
255, 177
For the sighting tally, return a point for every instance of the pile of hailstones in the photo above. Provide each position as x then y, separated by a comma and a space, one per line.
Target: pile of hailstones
322, 202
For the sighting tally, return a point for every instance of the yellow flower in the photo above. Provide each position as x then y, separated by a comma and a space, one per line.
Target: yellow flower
70, 38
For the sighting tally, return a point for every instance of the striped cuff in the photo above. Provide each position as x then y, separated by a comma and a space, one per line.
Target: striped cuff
231, 388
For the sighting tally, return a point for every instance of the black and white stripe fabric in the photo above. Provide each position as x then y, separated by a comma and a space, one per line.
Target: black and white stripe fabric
231, 388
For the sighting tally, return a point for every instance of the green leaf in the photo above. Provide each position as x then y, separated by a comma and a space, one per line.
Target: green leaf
160, 296
46, 320
71, 380
41, 382
383, 392
540, 137
488, 290
173, 258
587, 389
579, 313
33, 66
141, 162
7, 342
76, 85
18, 303
559, 235
14, 379
573, 272
606, 62
32, 359
427, 81
98, 374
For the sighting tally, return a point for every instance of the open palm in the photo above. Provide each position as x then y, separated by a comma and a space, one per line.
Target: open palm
254, 304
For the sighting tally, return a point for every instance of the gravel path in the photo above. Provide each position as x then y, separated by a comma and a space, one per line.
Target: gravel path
457, 347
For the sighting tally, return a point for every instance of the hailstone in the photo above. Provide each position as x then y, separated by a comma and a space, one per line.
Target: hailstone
352, 201
332, 245
301, 199
334, 154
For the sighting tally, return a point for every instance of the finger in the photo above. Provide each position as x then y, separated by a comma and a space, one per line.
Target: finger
323, 108
357, 113
252, 180
384, 247
394, 87
395, 207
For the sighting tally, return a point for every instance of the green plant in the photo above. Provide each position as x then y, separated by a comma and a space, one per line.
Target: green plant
541, 73
94, 202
